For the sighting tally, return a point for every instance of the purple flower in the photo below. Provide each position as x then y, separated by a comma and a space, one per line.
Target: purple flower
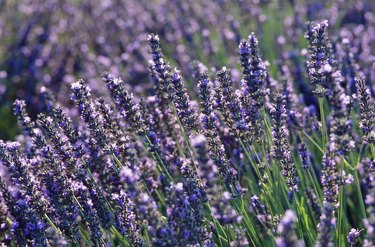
304, 156
319, 67
353, 236
288, 236
366, 104
215, 147
124, 100
330, 181
254, 75
181, 100
262, 214
81, 94
281, 149
230, 107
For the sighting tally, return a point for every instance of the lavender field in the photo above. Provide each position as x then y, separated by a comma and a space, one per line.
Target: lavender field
187, 123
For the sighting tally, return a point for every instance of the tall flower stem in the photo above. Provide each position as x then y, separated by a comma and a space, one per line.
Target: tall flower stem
248, 156
359, 194
185, 136
340, 210
323, 122
218, 226
159, 160
52, 224
354, 169
301, 212
315, 182
240, 206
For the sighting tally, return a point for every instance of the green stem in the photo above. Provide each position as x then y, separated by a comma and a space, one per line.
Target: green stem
159, 159
100, 191
323, 122
372, 150
359, 194
314, 181
314, 142
86, 237
247, 223
53, 224
218, 226
250, 158
302, 220
340, 212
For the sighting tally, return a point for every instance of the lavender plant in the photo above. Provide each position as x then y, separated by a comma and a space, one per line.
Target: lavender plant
187, 142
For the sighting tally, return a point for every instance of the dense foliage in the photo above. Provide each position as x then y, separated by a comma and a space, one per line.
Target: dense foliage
195, 141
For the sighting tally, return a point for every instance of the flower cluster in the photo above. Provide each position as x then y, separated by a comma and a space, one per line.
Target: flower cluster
366, 102
320, 65
225, 151
281, 150
285, 229
254, 75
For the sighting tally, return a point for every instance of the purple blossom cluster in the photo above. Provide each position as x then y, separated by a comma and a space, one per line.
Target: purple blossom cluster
182, 141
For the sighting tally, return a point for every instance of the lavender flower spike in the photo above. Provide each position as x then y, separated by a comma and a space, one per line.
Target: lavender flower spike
231, 106
288, 236
353, 236
81, 94
330, 180
304, 156
160, 70
181, 99
254, 74
214, 144
319, 67
124, 102
366, 103
281, 150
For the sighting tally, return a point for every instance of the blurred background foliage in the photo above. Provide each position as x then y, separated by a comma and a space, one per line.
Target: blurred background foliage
52, 43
